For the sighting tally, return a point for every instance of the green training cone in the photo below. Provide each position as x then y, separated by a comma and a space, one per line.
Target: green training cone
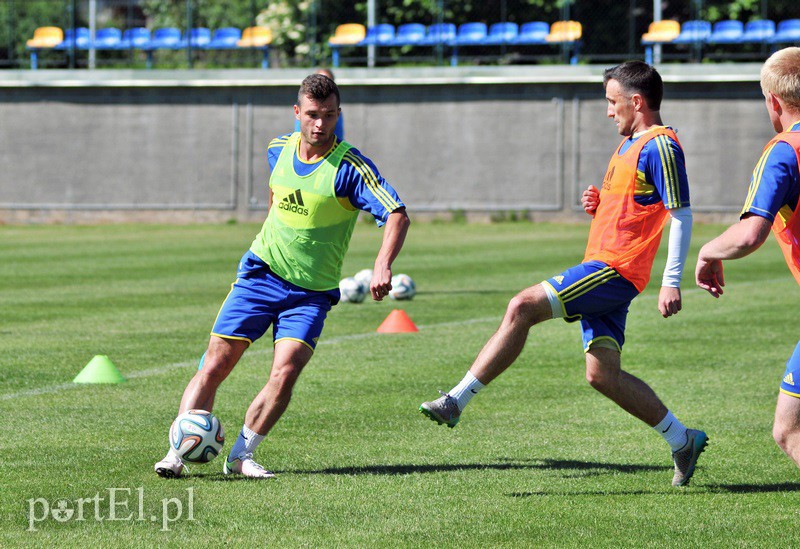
99, 370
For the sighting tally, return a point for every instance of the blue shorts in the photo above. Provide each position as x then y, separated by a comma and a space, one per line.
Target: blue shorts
598, 296
259, 298
791, 377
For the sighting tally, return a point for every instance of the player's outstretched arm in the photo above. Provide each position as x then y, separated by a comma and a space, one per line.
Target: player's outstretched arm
737, 241
590, 199
394, 234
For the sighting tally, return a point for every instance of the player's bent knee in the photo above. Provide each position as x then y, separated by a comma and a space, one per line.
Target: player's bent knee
525, 307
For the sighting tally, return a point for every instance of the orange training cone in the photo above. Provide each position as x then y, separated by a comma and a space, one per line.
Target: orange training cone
397, 322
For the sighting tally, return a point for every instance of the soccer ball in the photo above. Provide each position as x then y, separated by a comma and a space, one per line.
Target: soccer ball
364, 277
196, 436
403, 287
352, 291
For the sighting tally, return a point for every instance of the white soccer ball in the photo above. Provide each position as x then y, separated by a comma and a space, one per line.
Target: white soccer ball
364, 277
196, 436
352, 291
403, 287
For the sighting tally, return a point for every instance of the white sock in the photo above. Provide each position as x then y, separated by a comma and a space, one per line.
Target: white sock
246, 443
464, 391
673, 431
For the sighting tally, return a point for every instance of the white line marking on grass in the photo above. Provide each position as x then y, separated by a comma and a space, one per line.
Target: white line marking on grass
186, 363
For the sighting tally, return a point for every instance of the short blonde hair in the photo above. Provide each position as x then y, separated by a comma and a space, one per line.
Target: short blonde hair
781, 76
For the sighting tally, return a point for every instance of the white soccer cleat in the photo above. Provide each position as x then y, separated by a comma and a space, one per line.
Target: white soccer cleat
169, 467
244, 465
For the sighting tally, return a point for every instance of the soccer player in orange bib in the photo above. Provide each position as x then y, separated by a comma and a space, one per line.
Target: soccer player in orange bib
772, 201
645, 185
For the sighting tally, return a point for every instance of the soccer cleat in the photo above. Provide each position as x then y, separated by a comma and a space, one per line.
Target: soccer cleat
686, 458
442, 410
245, 465
169, 467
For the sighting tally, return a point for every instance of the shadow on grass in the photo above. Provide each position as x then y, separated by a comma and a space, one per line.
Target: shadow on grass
586, 467
754, 488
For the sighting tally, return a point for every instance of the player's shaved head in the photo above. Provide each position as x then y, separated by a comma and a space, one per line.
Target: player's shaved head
638, 77
781, 76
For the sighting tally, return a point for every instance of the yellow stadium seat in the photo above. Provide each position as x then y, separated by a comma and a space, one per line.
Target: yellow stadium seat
349, 33
46, 37
662, 31
255, 37
565, 31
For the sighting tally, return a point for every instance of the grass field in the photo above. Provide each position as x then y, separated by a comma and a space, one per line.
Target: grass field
539, 458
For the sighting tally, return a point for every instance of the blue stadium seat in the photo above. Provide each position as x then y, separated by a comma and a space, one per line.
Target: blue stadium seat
726, 32
379, 35
107, 39
200, 37
471, 34
502, 33
788, 31
409, 34
135, 38
225, 38
534, 32
439, 33
168, 38
693, 32
79, 37
758, 31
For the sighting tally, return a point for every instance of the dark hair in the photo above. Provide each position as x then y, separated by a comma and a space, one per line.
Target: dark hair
318, 87
638, 77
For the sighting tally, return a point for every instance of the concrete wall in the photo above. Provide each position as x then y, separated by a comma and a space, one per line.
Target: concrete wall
190, 146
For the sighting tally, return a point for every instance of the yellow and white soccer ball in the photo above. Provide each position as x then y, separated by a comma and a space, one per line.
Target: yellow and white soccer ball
403, 287
352, 291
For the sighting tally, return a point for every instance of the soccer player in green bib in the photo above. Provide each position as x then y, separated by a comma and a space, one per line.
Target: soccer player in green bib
289, 278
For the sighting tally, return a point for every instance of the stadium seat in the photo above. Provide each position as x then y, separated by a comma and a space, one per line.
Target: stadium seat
726, 32
661, 32
471, 34
502, 33
693, 32
439, 34
135, 38
379, 35
46, 37
168, 38
788, 31
225, 38
348, 34
565, 32
255, 37
200, 37
78, 38
107, 39
533, 33
758, 31
409, 34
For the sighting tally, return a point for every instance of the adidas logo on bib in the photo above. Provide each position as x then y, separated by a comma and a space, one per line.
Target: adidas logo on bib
294, 203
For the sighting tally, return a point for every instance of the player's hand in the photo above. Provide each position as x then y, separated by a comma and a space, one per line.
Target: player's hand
709, 276
381, 283
669, 301
590, 199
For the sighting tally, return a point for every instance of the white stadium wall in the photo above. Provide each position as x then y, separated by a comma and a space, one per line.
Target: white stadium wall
105, 146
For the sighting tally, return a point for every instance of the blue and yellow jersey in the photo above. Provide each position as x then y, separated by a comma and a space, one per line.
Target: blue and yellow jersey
775, 183
357, 180
661, 173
